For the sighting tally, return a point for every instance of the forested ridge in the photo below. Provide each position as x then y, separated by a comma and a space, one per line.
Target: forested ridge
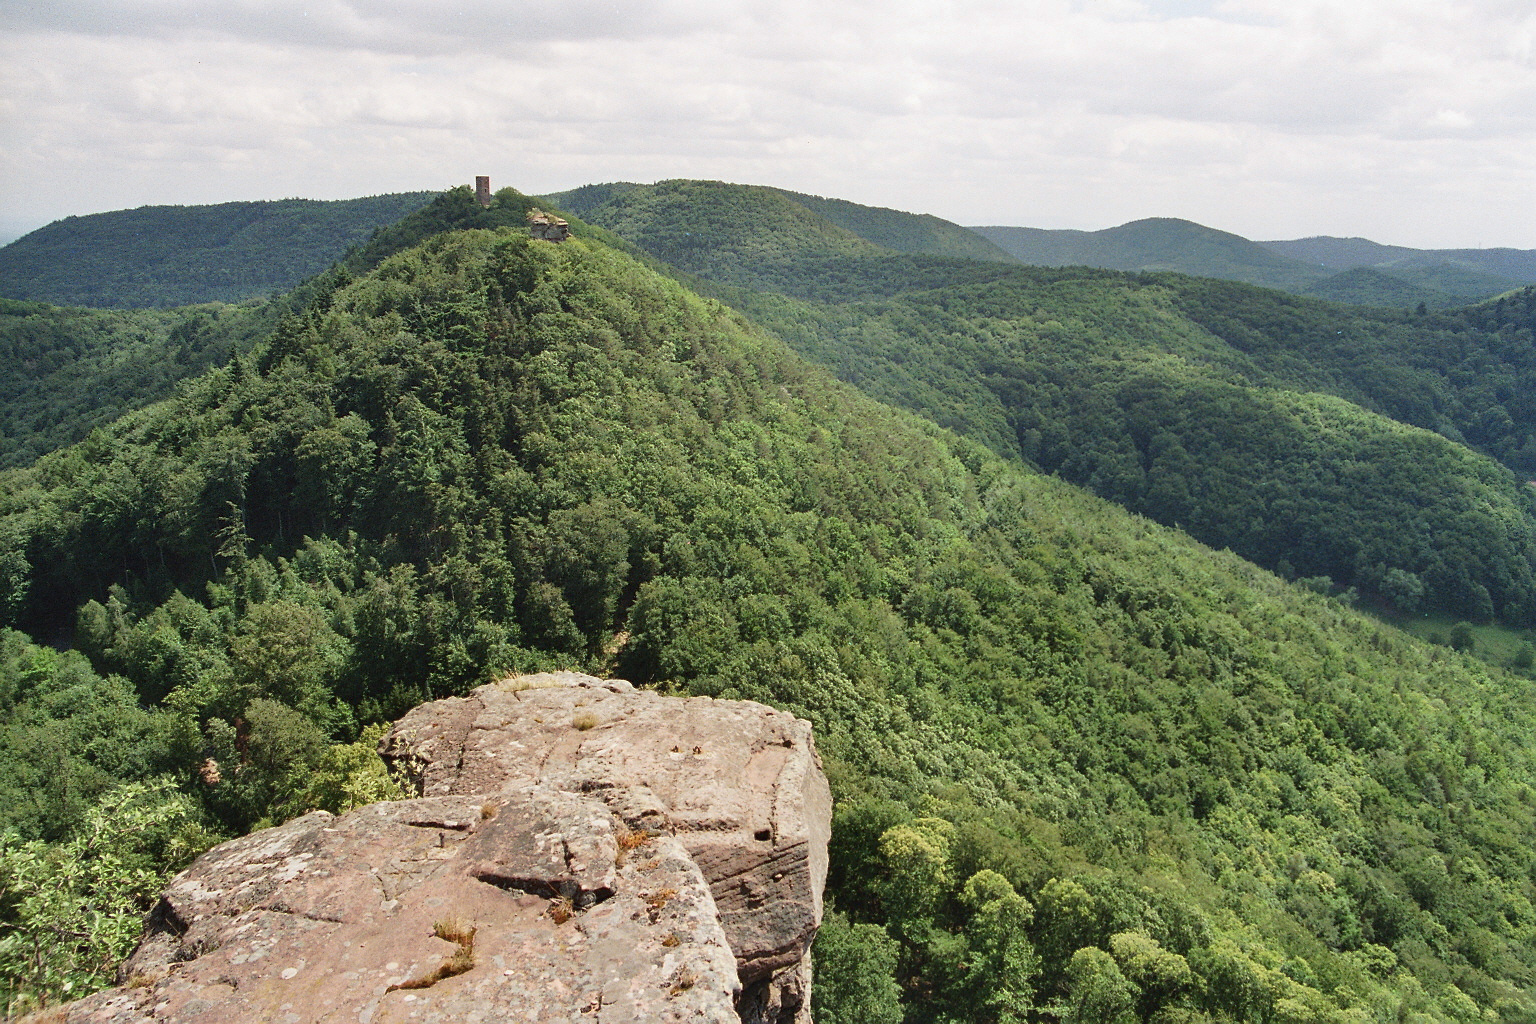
1342, 269
1265, 422
1086, 769
65, 371
163, 256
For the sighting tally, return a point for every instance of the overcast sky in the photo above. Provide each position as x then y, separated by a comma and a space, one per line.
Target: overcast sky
1411, 122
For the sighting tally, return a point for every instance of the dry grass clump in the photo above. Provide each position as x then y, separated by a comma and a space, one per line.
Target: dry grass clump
455, 930
629, 839
517, 684
583, 720
561, 908
462, 934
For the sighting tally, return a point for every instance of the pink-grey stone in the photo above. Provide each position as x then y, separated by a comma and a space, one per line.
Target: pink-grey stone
621, 856
738, 783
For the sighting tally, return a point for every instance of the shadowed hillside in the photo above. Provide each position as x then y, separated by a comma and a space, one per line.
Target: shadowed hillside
1256, 420
159, 256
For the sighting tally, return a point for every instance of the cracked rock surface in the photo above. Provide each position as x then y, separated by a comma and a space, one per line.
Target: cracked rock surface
653, 859
738, 783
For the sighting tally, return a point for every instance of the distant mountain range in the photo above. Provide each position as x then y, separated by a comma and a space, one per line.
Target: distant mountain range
1354, 270
163, 256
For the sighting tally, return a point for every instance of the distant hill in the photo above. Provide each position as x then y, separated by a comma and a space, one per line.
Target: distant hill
1327, 268
1514, 265
766, 238
693, 225
920, 233
162, 256
1368, 286
691, 201
1158, 243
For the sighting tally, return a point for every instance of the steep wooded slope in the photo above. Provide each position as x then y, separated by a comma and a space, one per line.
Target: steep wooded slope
160, 256
1255, 419
1082, 761
65, 371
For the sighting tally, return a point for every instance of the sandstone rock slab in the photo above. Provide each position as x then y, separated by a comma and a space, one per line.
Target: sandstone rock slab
351, 919
739, 784
581, 851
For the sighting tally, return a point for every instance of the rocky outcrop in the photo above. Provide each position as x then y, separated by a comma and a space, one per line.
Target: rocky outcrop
581, 851
738, 784
547, 226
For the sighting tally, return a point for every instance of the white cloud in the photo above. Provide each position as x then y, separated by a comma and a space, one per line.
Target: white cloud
1411, 120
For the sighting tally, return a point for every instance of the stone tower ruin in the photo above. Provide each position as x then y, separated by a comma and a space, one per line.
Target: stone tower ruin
483, 189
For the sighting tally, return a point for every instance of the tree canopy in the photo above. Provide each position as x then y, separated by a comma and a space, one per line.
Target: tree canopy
1085, 767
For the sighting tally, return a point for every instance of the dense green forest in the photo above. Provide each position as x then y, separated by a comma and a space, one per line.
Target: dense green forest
1111, 384
901, 232
1086, 768
1264, 422
162, 256
65, 371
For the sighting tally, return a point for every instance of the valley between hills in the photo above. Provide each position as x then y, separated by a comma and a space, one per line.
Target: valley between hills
1087, 555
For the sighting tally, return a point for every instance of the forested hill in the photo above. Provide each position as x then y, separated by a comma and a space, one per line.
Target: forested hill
1158, 243
1086, 769
1363, 451
904, 232
1327, 268
763, 237
161, 256
1207, 405
65, 370
893, 229
1350, 253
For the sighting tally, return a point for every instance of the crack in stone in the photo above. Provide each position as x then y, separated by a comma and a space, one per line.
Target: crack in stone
452, 826
560, 888
303, 914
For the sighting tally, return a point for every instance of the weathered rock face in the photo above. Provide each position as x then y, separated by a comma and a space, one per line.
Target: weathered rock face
582, 852
737, 783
